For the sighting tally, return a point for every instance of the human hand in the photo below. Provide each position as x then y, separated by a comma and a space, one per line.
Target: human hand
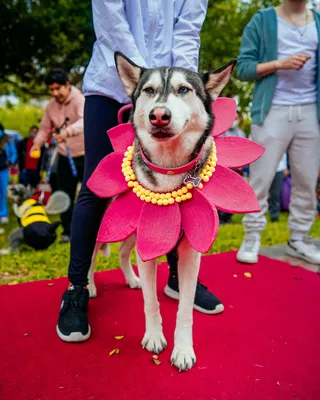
61, 137
35, 151
285, 173
296, 62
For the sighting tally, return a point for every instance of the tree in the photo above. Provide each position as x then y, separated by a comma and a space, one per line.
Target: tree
37, 35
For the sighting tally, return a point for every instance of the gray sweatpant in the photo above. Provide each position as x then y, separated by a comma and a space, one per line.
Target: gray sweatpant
294, 129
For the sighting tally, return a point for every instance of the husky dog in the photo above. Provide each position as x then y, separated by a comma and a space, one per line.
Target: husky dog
172, 118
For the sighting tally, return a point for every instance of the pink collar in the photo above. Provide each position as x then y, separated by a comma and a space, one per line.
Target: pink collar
172, 171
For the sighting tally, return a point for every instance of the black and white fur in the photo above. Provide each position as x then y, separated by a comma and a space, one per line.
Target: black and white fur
188, 96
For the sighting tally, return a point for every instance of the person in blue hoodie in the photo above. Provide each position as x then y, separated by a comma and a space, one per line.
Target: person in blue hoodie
8, 157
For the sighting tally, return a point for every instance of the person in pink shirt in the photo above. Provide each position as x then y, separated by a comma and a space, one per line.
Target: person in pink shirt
63, 119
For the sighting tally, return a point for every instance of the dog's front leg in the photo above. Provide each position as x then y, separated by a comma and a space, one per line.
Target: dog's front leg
124, 253
153, 339
183, 356
91, 285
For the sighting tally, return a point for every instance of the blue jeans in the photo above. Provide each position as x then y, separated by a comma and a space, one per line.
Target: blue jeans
4, 182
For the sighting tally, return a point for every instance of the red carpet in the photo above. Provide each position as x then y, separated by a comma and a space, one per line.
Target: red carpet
266, 345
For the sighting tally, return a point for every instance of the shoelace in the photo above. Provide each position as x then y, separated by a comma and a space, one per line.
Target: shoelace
76, 301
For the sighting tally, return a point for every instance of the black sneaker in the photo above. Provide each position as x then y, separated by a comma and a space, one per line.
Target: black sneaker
73, 323
204, 301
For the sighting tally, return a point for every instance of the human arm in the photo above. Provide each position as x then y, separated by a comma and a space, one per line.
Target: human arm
186, 34
112, 29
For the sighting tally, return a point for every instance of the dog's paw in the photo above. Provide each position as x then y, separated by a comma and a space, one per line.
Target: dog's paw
154, 342
134, 282
92, 290
183, 357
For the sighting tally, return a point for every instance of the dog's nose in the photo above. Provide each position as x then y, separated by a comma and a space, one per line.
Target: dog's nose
160, 116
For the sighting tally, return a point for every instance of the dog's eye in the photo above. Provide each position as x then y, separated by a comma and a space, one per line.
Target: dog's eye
183, 90
149, 90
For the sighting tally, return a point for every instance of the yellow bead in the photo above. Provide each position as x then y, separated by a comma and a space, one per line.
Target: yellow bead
171, 200
148, 199
205, 179
142, 190
184, 189
129, 157
139, 193
189, 186
168, 195
189, 195
135, 189
143, 197
180, 193
162, 196
127, 178
165, 202
159, 202
154, 201
135, 184
139, 187
130, 184
209, 174
133, 177
147, 192
201, 176
152, 195
183, 197
174, 194
200, 186
130, 148
178, 199
157, 195
126, 153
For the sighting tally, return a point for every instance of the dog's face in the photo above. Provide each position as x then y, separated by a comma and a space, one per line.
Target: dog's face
170, 102
19, 194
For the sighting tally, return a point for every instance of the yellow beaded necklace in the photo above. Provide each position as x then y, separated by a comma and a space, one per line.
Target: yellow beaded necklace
164, 199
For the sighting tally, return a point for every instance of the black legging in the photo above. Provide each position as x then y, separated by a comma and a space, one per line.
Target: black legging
100, 115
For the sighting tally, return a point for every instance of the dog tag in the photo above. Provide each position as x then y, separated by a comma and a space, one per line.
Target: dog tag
194, 180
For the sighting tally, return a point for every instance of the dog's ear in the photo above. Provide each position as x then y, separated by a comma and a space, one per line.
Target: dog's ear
215, 81
128, 71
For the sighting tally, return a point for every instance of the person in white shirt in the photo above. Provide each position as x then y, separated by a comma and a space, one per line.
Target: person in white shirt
152, 34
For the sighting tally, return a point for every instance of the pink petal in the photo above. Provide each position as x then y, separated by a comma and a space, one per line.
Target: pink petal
107, 179
200, 222
229, 192
224, 109
158, 230
121, 218
234, 152
121, 137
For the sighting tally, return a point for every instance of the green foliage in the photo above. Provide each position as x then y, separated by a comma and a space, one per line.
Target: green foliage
37, 35
30, 265
20, 117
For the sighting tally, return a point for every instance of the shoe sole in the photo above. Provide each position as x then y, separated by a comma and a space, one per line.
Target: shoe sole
293, 253
174, 295
246, 261
74, 337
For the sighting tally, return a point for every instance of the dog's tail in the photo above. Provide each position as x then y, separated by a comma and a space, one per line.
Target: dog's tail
53, 227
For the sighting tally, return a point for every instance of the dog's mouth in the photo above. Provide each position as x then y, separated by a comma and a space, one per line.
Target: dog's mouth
162, 134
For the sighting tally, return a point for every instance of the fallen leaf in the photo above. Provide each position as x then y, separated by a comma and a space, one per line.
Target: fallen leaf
258, 365
235, 275
26, 334
155, 357
157, 362
114, 351
50, 284
119, 337
247, 275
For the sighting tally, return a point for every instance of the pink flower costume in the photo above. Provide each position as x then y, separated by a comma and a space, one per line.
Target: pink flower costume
158, 227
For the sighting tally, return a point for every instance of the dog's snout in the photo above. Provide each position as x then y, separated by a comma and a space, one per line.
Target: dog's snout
160, 116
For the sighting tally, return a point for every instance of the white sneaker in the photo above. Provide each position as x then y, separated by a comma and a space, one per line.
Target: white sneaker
304, 249
4, 220
249, 250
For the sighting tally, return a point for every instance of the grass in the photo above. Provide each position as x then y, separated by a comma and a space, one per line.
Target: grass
30, 265
20, 117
